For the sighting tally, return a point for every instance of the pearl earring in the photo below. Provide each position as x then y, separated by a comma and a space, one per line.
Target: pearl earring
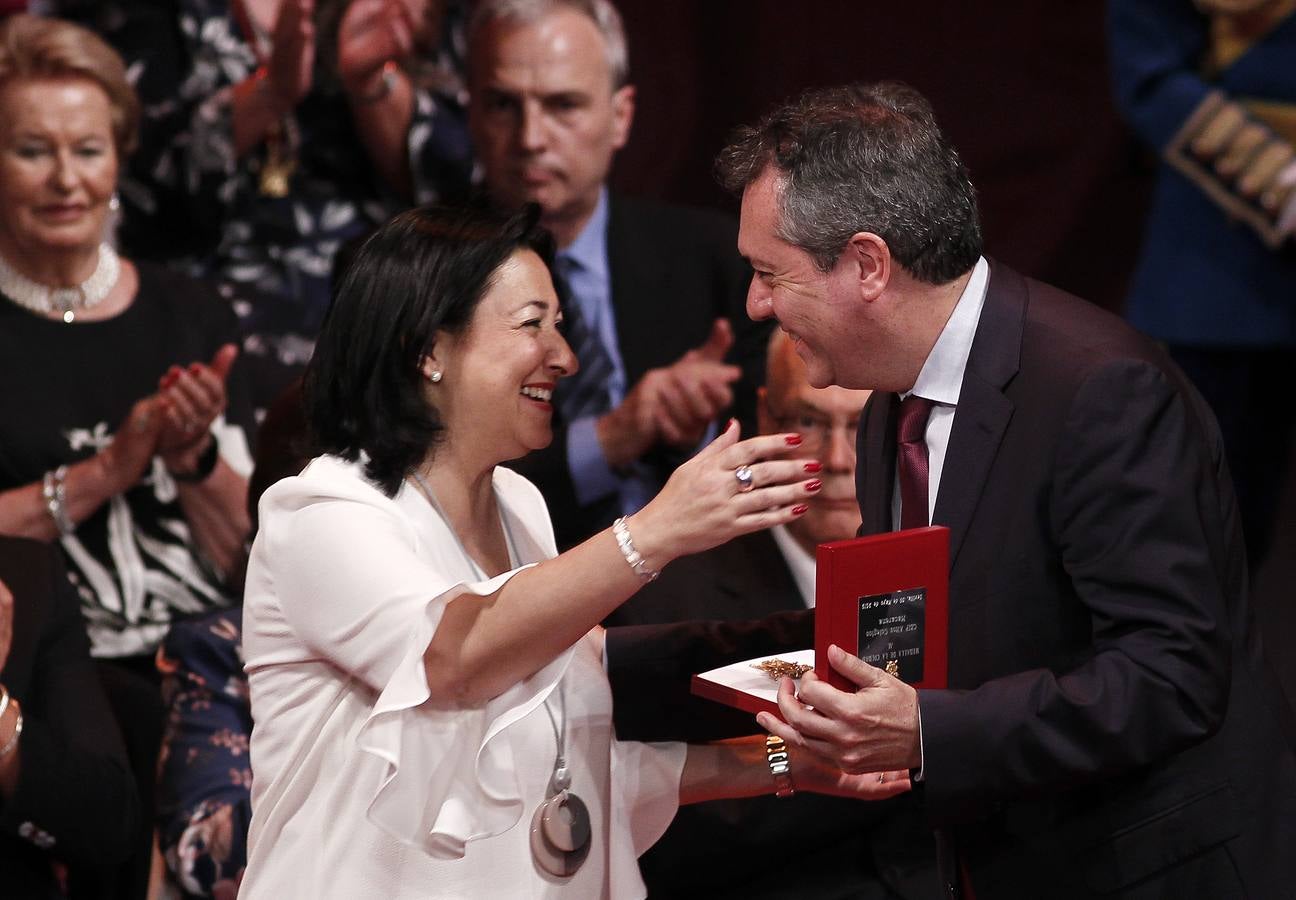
434, 376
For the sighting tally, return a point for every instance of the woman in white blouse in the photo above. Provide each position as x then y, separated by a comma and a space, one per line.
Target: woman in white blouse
431, 714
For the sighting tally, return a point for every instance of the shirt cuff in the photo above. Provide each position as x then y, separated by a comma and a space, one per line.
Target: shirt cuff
592, 477
916, 774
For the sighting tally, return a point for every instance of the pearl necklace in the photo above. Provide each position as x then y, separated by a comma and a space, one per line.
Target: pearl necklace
43, 299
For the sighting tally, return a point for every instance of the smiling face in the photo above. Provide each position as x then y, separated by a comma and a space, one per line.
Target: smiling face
544, 117
822, 312
499, 373
58, 167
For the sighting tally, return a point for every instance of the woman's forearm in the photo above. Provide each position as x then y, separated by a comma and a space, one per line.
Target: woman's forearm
25, 512
216, 510
382, 115
741, 768
256, 112
484, 645
734, 768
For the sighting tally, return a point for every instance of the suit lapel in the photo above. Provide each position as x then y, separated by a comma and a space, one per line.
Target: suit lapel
983, 411
875, 455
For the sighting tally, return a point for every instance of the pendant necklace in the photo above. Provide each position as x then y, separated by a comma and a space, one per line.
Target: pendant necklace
560, 828
68, 302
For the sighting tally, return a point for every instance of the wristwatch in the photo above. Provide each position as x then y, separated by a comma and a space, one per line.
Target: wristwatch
205, 465
780, 766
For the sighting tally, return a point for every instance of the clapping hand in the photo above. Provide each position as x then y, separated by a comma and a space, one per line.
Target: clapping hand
372, 34
674, 404
292, 60
191, 399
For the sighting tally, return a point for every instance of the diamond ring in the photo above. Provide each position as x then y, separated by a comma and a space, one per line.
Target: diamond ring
745, 478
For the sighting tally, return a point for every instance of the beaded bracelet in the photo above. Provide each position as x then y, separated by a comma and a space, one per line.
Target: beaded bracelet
621, 530
54, 491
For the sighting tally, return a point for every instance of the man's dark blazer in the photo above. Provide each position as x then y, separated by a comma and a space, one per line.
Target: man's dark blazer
75, 801
1110, 728
739, 848
673, 272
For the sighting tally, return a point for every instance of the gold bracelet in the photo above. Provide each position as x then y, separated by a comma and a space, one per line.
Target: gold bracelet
13, 741
780, 766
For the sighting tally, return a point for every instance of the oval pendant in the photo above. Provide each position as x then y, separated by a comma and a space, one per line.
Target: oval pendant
560, 834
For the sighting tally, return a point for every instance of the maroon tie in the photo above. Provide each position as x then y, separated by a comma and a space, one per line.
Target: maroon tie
911, 460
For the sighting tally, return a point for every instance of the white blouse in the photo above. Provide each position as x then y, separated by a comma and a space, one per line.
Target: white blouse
361, 789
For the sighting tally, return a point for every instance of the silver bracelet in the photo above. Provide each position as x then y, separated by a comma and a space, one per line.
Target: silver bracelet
621, 531
54, 491
13, 741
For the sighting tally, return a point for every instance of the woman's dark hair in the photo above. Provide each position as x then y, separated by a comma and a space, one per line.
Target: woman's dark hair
423, 272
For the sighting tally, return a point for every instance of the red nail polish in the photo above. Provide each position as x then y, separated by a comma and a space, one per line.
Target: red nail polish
813, 467
793, 440
194, 368
800, 509
812, 486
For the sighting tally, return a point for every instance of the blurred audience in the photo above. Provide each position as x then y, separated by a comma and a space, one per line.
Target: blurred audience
68, 808
1211, 85
654, 306
115, 440
273, 131
734, 848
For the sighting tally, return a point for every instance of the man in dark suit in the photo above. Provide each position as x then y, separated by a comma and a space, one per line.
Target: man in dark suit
67, 798
733, 848
654, 293
1110, 727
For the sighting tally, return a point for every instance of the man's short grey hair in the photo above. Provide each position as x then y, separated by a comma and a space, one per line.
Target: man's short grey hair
863, 158
524, 12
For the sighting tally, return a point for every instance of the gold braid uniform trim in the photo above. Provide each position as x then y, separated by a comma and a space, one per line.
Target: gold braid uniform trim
1235, 157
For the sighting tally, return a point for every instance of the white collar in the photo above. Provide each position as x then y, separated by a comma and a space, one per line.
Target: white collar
941, 377
800, 562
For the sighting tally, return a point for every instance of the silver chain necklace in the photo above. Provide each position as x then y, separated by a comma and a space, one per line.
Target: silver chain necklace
561, 829
66, 301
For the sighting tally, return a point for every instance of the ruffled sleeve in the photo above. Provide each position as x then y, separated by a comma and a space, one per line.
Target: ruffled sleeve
645, 798
363, 580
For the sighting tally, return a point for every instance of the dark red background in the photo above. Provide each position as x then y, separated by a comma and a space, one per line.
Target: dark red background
1020, 86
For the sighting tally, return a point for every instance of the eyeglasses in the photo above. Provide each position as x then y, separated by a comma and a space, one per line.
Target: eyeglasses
817, 429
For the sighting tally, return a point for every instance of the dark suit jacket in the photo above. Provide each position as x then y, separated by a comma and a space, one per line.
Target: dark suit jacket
737, 848
674, 271
1111, 728
75, 801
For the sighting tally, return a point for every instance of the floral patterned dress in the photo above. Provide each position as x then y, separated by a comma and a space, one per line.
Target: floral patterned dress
191, 201
205, 784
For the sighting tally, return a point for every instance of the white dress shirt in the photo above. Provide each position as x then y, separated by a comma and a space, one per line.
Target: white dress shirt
941, 379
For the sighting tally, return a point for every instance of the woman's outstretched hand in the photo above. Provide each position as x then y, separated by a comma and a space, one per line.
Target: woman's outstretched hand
730, 488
